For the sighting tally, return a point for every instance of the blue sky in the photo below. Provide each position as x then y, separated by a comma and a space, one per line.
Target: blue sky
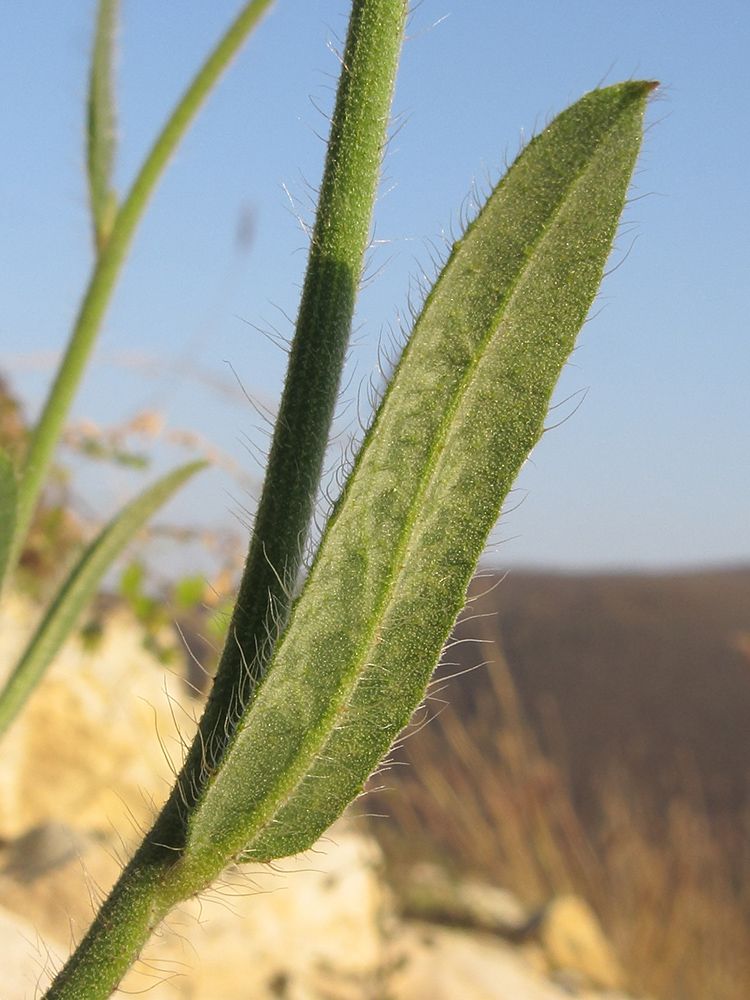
649, 472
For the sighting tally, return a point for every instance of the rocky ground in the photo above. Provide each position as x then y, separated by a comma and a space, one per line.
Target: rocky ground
81, 774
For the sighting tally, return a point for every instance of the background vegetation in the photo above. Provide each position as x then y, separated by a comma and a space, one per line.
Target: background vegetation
570, 755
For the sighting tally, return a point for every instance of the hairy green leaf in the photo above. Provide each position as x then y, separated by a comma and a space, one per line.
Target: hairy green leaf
81, 586
465, 407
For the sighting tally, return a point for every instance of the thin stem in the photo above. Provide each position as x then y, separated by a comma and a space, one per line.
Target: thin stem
340, 239
109, 264
101, 139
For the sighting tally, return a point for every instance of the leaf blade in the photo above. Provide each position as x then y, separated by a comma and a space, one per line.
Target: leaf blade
466, 405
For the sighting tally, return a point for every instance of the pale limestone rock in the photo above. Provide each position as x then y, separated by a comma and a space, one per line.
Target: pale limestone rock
535, 956
441, 963
308, 929
494, 908
90, 747
429, 894
573, 940
82, 770
58, 900
42, 849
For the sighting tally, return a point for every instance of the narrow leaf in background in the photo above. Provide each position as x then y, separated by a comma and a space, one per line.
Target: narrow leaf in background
110, 262
81, 586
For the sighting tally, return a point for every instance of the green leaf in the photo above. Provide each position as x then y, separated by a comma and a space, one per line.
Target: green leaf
190, 591
465, 407
81, 586
131, 581
8, 502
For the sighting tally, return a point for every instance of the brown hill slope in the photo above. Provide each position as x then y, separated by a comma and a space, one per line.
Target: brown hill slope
594, 738
647, 672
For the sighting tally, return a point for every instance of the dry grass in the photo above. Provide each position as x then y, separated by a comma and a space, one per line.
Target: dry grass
669, 885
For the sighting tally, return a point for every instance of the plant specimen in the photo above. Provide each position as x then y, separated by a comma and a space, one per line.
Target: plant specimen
312, 688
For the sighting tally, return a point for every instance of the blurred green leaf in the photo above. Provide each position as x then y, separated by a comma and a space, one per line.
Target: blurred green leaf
190, 591
81, 586
131, 581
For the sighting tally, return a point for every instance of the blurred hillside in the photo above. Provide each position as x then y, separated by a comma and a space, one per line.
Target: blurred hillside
648, 673
589, 734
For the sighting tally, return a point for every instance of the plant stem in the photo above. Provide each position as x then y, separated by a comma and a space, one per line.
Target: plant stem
108, 265
101, 140
339, 242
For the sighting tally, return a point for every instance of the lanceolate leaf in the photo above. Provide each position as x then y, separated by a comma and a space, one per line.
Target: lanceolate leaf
8, 500
81, 586
465, 407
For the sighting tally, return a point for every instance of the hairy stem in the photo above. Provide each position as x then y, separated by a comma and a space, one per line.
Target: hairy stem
161, 873
339, 242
